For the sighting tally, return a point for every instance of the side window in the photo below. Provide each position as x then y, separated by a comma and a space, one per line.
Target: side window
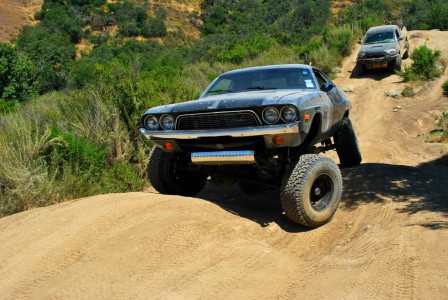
320, 78
223, 85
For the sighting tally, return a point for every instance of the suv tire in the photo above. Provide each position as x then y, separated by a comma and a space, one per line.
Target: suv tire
396, 67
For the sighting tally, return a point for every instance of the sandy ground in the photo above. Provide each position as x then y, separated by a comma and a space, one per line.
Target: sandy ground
388, 238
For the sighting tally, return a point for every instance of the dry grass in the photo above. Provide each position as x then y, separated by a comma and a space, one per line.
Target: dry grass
14, 14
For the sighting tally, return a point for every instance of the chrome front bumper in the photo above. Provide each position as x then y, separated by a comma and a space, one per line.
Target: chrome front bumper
280, 129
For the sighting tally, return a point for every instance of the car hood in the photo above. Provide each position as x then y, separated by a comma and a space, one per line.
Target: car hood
375, 48
231, 101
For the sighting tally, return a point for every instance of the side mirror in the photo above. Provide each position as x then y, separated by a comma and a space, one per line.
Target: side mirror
401, 38
327, 86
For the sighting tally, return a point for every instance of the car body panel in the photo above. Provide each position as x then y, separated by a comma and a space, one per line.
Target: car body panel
312, 104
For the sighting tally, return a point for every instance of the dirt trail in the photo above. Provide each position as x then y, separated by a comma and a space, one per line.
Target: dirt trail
388, 239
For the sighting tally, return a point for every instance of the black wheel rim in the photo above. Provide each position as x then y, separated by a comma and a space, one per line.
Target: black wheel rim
321, 192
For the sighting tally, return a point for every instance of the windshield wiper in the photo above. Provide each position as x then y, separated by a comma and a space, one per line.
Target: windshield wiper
219, 91
261, 88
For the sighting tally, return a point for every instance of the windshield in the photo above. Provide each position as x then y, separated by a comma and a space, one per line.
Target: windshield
382, 37
262, 79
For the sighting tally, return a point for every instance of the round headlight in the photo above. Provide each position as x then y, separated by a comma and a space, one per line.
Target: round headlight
271, 115
167, 122
289, 114
151, 123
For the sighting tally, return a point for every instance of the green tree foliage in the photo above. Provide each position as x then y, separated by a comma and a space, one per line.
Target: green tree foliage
237, 30
133, 20
369, 13
51, 54
64, 22
308, 18
16, 77
426, 14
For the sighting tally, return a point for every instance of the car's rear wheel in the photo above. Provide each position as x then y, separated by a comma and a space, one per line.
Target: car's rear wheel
347, 145
168, 173
312, 190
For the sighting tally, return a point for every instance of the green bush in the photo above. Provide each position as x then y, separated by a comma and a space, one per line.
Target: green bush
121, 178
341, 39
371, 21
445, 88
408, 91
442, 121
77, 153
16, 77
424, 65
325, 59
154, 27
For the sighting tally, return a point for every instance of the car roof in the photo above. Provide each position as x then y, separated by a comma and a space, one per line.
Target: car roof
285, 66
380, 29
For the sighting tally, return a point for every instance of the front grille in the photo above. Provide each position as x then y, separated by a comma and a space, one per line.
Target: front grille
375, 55
233, 119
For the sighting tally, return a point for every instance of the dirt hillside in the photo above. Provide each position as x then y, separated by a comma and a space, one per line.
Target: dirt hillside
14, 14
388, 239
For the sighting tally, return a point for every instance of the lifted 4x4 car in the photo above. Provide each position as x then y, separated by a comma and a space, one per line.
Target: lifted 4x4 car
383, 47
258, 126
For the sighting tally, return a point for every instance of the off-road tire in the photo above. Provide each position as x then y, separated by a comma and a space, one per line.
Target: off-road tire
347, 145
406, 54
360, 69
311, 190
166, 177
396, 67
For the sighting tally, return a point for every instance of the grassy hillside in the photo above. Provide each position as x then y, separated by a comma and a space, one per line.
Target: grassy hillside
87, 60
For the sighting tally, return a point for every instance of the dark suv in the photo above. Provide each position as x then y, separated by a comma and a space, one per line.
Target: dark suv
383, 47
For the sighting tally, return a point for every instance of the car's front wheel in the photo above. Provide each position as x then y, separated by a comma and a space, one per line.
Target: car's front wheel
312, 190
168, 173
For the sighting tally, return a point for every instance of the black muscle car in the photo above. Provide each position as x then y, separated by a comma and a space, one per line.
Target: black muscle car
258, 127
